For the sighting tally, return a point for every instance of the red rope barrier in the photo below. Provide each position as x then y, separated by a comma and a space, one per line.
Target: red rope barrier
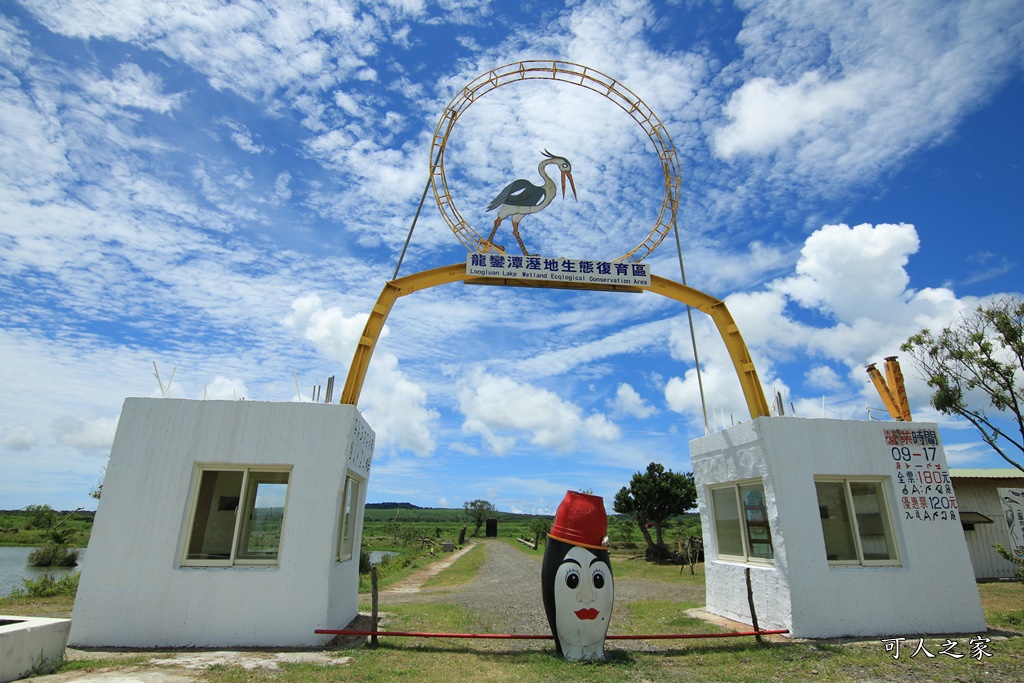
512, 636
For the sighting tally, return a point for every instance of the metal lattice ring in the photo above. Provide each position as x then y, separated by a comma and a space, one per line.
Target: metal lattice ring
573, 74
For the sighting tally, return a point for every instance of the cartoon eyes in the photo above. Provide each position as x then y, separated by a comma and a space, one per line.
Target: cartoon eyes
572, 579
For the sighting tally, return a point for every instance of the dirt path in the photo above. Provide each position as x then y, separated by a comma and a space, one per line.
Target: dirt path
505, 596
414, 582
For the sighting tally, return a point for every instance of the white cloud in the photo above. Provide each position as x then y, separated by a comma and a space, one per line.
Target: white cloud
243, 137
842, 89
18, 438
133, 87
852, 273
722, 394
766, 115
824, 377
249, 47
85, 435
164, 242
395, 405
330, 330
282, 189
223, 388
628, 402
499, 409
856, 278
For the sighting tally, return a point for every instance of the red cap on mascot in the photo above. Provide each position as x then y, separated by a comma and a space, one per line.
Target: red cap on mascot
581, 520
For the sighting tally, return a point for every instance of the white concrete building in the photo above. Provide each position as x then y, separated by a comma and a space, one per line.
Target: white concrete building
848, 528
226, 523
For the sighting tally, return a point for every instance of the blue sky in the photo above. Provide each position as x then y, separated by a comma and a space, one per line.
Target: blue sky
223, 188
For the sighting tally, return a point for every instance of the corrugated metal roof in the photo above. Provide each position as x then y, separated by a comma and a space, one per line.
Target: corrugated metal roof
987, 473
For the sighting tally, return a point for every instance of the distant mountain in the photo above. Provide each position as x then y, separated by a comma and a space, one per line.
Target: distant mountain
392, 506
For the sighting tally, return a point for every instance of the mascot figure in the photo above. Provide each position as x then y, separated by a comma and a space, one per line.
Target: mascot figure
576, 577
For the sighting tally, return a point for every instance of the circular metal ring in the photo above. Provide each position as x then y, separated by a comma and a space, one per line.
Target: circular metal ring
573, 74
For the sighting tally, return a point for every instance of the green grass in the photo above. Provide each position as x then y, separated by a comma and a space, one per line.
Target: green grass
444, 661
659, 616
17, 529
92, 665
394, 569
739, 660
625, 566
462, 572
537, 554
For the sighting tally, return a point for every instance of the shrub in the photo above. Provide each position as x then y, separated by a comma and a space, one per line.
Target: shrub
53, 555
1018, 563
47, 587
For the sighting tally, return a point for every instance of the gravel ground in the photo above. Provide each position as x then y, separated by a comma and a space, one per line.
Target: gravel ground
505, 597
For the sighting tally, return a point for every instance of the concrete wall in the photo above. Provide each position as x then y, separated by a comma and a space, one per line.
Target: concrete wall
134, 592
31, 646
933, 589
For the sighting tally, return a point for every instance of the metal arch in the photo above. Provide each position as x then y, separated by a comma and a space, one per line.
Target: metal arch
738, 352
574, 74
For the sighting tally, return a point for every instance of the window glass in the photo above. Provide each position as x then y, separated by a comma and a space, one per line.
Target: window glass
350, 501
237, 516
872, 525
728, 531
741, 522
213, 528
855, 522
265, 497
835, 521
759, 537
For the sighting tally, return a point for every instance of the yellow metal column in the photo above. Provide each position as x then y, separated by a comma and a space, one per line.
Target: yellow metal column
379, 315
727, 328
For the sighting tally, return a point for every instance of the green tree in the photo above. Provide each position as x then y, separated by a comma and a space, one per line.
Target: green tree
977, 363
651, 498
479, 510
623, 528
41, 516
539, 526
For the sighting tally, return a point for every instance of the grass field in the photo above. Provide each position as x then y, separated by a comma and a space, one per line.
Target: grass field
446, 661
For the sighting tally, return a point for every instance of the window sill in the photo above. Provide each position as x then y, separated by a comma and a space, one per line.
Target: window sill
741, 562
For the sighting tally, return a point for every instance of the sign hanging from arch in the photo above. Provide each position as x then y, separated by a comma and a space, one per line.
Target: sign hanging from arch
572, 74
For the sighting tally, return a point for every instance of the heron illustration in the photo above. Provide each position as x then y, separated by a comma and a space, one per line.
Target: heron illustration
521, 197
1007, 501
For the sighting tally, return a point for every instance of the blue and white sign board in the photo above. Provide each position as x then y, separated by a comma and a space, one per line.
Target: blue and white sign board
540, 268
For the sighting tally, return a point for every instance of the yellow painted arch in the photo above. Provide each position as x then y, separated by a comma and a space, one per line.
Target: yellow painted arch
738, 352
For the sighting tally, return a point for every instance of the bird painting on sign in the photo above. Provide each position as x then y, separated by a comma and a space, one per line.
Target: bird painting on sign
521, 198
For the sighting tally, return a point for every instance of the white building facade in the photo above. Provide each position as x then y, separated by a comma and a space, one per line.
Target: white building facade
226, 524
847, 528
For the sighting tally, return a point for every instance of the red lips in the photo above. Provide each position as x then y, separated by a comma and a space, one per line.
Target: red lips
587, 614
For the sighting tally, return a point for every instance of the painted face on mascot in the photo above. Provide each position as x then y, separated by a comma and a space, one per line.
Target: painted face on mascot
576, 576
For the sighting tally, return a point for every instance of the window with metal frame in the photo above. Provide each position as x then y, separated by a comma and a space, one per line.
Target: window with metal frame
347, 524
740, 515
856, 522
236, 516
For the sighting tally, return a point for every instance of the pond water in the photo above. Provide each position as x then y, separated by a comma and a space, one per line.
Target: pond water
376, 556
14, 567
